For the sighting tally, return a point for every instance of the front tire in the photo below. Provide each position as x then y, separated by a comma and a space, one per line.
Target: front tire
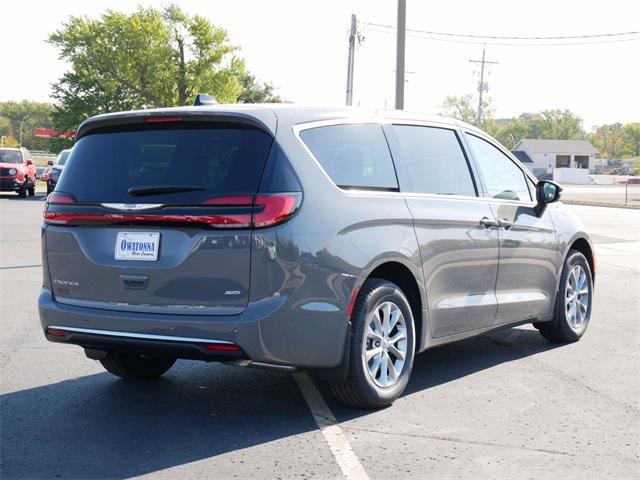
573, 302
382, 347
22, 193
32, 191
135, 367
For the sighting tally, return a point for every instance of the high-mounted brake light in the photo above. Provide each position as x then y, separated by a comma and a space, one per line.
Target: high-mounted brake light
162, 119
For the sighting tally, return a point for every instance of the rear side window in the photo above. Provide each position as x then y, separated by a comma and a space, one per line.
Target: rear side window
354, 156
214, 160
435, 160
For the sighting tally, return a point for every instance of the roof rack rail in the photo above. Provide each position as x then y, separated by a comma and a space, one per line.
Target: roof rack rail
204, 99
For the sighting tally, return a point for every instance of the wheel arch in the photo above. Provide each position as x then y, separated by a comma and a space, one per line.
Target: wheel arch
584, 246
403, 276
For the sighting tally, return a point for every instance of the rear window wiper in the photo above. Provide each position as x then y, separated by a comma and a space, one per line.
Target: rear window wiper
145, 190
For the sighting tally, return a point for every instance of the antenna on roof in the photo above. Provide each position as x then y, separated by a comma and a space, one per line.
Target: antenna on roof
204, 99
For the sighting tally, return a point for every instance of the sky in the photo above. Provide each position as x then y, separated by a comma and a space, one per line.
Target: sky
301, 48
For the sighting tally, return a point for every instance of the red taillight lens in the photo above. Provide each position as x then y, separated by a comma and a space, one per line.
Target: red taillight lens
230, 201
221, 347
264, 210
275, 208
60, 198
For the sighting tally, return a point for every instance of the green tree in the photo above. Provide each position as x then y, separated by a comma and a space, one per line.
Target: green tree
26, 116
557, 124
463, 108
632, 138
254, 91
609, 140
550, 124
150, 58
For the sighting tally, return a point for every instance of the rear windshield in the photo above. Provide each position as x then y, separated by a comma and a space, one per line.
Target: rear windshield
210, 160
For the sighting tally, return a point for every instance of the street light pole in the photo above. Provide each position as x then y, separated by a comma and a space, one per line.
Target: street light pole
400, 50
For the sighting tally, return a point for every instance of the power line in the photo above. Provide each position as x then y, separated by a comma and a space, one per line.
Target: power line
498, 37
509, 44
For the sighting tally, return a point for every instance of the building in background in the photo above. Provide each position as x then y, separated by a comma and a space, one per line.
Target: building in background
567, 161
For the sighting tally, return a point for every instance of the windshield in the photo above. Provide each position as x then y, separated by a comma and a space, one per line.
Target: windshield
10, 156
181, 165
62, 157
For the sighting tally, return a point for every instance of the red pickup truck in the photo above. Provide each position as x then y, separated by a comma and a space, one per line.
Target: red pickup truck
17, 171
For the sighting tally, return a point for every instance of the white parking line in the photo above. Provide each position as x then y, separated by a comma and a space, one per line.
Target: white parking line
340, 447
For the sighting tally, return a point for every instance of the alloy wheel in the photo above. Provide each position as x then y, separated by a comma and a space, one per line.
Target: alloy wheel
386, 344
577, 297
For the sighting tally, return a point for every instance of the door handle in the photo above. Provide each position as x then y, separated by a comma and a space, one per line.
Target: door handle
504, 223
487, 222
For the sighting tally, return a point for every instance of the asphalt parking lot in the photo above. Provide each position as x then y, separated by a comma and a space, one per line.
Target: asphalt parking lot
504, 405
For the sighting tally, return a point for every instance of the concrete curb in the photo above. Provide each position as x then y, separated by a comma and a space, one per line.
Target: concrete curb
600, 204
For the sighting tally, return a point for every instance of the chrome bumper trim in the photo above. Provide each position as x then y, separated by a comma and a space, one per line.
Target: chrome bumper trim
145, 336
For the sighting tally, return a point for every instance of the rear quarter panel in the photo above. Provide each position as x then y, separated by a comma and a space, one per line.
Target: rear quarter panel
312, 264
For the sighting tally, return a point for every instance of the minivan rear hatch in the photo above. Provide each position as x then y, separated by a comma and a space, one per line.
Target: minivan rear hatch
156, 216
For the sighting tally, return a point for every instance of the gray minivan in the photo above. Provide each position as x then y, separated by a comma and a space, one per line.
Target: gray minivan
336, 240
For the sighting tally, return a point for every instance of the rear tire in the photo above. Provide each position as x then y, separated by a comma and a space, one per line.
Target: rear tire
366, 385
573, 308
32, 191
135, 367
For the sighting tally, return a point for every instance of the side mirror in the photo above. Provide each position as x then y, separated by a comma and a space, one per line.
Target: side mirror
546, 192
49, 162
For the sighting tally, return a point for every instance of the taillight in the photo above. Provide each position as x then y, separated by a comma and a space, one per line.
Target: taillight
268, 209
264, 210
274, 208
245, 200
60, 198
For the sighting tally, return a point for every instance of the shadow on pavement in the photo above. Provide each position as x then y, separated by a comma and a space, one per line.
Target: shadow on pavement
101, 427
454, 361
98, 426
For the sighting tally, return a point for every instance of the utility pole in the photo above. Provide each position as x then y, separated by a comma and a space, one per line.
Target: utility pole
482, 87
21, 123
353, 35
400, 43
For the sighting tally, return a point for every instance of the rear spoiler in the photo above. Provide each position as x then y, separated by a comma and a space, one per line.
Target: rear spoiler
262, 118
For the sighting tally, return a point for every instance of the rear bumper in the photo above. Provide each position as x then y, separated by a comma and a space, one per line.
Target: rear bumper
91, 339
262, 332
